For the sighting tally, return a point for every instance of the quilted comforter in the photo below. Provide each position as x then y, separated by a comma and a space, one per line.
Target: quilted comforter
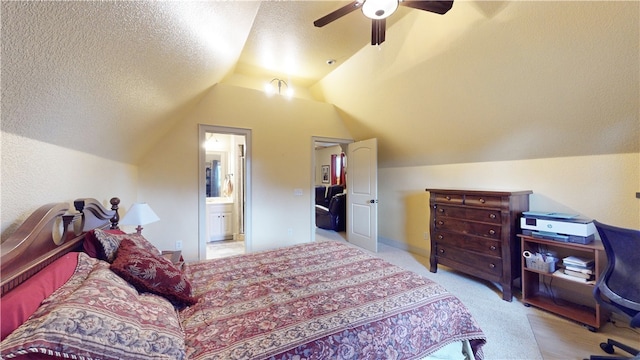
323, 300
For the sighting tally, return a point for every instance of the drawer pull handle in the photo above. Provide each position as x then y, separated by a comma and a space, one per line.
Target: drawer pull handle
493, 247
492, 216
440, 237
482, 201
492, 266
441, 211
448, 197
492, 232
440, 222
441, 251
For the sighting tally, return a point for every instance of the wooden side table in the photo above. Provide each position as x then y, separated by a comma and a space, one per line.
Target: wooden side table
532, 279
174, 256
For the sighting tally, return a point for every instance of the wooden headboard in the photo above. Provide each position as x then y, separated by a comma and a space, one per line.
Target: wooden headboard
48, 233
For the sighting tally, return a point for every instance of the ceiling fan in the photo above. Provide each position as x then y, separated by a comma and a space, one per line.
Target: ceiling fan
379, 10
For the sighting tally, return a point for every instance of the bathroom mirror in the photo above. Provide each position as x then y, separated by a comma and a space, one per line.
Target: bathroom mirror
215, 173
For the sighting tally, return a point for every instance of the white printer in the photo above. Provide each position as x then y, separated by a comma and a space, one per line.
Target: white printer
558, 226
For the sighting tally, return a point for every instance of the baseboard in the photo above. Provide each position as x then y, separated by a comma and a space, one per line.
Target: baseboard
403, 246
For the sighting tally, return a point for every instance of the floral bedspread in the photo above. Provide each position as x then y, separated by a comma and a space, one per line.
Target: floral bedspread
323, 300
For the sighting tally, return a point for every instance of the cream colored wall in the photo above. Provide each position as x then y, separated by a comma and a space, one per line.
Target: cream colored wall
323, 157
280, 162
601, 187
35, 173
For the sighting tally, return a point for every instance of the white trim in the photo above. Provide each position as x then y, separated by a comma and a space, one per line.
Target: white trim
202, 130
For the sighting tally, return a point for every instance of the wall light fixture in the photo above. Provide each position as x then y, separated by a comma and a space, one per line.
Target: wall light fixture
270, 87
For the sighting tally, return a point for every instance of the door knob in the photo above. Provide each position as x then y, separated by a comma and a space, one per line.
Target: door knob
373, 201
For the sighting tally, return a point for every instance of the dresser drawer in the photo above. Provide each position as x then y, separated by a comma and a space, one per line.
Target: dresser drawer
472, 243
491, 216
449, 198
482, 263
483, 200
467, 227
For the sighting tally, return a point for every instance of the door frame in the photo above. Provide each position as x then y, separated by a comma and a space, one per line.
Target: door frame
202, 231
314, 140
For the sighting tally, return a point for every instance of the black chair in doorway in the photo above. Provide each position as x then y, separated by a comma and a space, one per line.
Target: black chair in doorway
334, 216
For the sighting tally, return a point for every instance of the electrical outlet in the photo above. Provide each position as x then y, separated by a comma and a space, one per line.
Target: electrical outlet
179, 245
426, 235
298, 192
290, 232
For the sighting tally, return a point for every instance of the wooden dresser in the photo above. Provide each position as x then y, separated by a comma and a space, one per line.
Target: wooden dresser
475, 232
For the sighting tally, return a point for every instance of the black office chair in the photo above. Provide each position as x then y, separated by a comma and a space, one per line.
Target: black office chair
618, 288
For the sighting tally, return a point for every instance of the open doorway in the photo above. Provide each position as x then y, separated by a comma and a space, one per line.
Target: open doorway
329, 171
224, 179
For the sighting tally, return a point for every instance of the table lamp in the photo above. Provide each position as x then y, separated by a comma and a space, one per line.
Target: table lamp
139, 214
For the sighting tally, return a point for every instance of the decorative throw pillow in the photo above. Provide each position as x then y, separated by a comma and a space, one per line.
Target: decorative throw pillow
109, 244
98, 315
91, 245
152, 273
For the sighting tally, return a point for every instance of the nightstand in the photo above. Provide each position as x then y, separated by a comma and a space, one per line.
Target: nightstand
174, 256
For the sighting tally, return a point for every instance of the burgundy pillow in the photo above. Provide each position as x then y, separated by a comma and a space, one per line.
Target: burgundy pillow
149, 272
20, 303
92, 246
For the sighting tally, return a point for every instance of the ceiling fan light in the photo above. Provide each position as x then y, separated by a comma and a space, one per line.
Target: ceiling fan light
379, 9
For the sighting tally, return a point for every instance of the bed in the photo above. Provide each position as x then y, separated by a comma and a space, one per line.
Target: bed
75, 286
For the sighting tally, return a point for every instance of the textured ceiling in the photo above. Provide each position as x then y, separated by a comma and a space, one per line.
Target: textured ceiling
490, 80
493, 81
99, 67
283, 41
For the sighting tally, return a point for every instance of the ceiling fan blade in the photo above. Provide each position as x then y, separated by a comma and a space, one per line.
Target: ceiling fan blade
438, 7
378, 29
335, 15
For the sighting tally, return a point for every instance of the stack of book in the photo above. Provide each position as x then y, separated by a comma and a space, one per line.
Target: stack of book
577, 269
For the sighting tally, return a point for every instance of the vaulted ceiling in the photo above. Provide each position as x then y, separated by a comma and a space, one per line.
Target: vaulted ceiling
487, 81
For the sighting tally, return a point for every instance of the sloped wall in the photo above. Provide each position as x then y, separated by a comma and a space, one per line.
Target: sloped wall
497, 81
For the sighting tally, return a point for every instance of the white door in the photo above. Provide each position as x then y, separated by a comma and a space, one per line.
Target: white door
362, 197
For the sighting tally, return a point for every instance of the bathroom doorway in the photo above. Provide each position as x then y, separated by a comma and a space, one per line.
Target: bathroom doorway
223, 202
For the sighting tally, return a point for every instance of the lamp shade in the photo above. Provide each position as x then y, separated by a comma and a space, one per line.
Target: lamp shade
139, 214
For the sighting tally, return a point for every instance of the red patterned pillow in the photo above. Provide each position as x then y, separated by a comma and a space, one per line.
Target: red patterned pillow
152, 273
